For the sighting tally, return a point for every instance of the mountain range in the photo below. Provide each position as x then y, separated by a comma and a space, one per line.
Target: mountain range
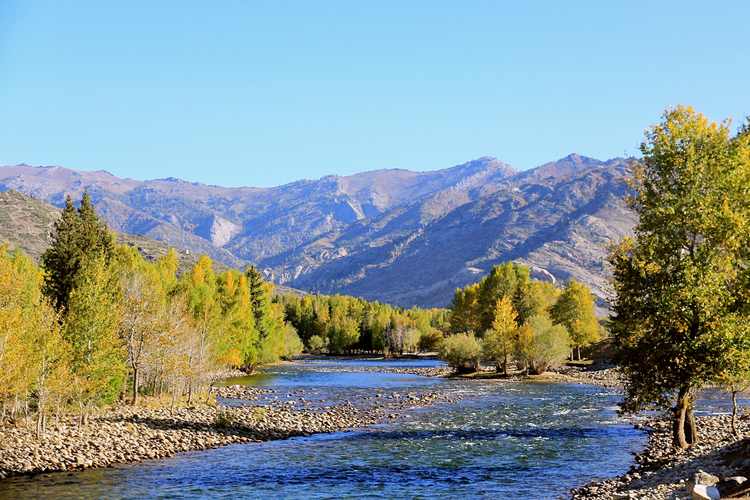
399, 236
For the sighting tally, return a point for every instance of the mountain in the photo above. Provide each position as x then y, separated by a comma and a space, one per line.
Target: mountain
27, 223
395, 235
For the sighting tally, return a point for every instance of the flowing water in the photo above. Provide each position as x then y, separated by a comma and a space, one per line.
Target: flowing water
502, 440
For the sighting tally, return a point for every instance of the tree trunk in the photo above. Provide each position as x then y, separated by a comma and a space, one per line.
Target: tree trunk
578, 348
505, 365
39, 424
135, 386
684, 431
735, 431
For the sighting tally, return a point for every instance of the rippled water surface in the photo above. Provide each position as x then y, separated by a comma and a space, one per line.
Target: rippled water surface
502, 440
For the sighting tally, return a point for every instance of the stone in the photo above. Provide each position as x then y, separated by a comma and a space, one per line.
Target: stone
702, 477
705, 492
733, 485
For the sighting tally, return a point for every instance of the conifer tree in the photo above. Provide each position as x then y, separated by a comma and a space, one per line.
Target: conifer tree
77, 235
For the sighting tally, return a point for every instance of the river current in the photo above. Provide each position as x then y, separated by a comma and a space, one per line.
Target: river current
501, 440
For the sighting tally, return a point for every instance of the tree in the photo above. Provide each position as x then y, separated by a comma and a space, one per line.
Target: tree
461, 352
143, 301
465, 314
78, 234
267, 322
205, 308
574, 310
498, 343
506, 280
534, 299
343, 332
542, 344
429, 340
91, 329
292, 344
317, 344
32, 351
681, 283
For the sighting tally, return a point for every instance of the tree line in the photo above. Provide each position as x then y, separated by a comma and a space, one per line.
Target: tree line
339, 324
95, 322
508, 317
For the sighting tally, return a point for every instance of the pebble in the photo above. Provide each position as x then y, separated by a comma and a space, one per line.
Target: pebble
125, 434
662, 472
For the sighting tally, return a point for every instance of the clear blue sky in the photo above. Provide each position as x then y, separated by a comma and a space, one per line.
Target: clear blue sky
261, 93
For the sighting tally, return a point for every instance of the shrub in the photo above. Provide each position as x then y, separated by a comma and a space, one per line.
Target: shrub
225, 419
542, 345
317, 344
292, 343
461, 352
430, 340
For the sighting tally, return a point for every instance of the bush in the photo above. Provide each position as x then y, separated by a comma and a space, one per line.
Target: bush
461, 352
430, 340
542, 345
292, 343
225, 419
317, 344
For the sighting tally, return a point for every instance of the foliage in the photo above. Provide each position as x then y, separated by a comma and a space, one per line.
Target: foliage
317, 344
574, 310
429, 340
682, 282
32, 350
78, 235
123, 318
293, 346
542, 344
516, 299
351, 324
97, 357
461, 352
499, 342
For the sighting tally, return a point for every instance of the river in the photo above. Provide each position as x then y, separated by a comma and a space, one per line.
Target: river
502, 440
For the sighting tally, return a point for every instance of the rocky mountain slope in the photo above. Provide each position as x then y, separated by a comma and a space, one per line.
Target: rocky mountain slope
26, 223
394, 235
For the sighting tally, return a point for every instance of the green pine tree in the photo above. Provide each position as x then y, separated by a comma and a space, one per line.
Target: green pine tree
77, 235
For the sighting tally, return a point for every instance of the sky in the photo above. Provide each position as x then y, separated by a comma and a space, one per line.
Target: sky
263, 93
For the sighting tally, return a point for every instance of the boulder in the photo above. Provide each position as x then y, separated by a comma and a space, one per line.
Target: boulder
705, 492
702, 486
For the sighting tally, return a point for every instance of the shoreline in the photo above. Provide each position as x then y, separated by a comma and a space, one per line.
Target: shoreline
125, 434
603, 377
662, 472
130, 434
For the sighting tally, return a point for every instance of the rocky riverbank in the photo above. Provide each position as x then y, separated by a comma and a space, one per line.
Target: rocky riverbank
661, 472
130, 434
422, 371
603, 377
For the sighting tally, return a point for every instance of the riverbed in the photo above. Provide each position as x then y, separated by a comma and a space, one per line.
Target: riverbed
495, 439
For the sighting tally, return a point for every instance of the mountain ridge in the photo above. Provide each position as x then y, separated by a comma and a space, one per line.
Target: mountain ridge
372, 233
